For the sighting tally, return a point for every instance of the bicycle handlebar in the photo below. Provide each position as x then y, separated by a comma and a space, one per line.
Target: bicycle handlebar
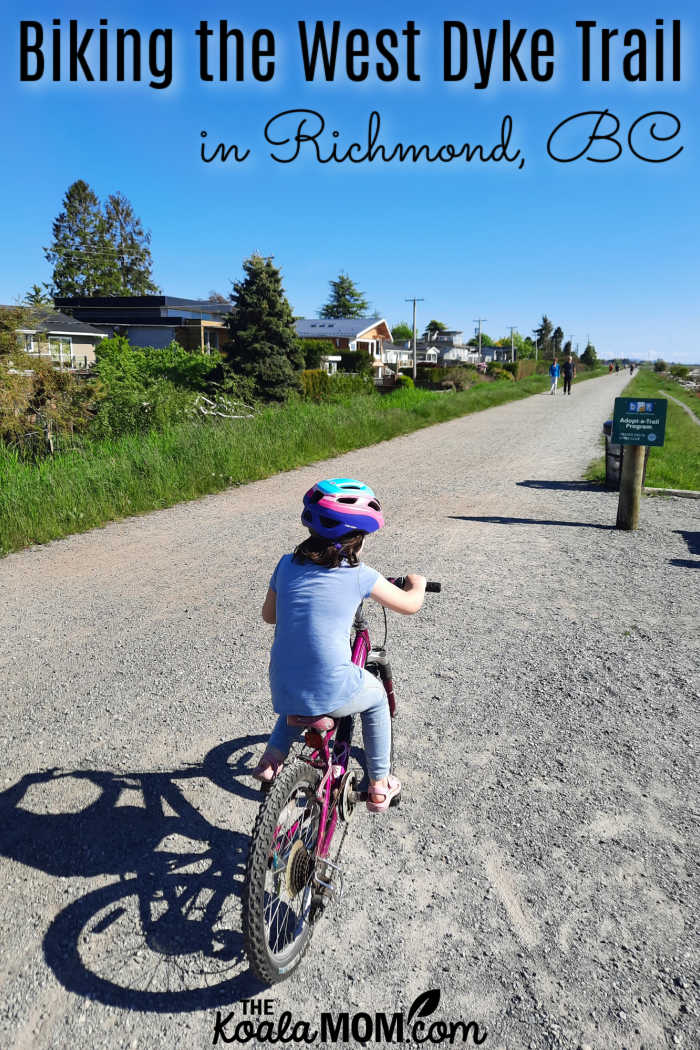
433, 586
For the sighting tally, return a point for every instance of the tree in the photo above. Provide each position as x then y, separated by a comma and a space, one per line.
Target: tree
402, 332
345, 299
131, 244
38, 296
589, 356
567, 348
263, 343
485, 340
557, 338
79, 251
543, 335
96, 253
217, 297
431, 330
660, 365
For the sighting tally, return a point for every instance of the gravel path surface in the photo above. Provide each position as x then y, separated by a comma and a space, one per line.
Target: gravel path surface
540, 871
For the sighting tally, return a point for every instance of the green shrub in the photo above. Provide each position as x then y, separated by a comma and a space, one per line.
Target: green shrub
355, 361
313, 349
404, 381
318, 385
680, 371
315, 384
500, 373
522, 368
660, 365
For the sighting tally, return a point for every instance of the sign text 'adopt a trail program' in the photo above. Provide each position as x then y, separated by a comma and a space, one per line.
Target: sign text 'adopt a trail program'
639, 422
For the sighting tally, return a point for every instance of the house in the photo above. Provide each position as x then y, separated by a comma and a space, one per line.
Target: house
451, 348
69, 343
398, 355
154, 320
349, 333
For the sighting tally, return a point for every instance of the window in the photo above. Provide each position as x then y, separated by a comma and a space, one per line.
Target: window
29, 345
61, 350
211, 340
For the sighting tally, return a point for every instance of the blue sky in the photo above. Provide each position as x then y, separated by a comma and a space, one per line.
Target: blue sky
608, 251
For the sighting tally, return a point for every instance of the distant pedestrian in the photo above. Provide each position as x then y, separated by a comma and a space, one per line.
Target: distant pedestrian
610, 367
568, 371
631, 367
617, 366
554, 375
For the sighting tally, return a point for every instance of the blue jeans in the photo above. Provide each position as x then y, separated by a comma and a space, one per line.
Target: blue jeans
371, 704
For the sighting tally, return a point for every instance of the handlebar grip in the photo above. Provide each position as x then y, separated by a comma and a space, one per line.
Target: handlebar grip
432, 585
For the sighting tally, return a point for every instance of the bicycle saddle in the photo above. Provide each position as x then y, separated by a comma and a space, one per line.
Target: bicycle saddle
321, 722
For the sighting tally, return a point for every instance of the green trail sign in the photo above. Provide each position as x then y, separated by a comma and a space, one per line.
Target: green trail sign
639, 422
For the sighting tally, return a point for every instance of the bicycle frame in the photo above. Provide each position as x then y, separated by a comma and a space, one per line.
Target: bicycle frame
332, 756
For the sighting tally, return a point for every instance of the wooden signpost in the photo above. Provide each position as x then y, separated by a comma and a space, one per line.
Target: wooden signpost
637, 422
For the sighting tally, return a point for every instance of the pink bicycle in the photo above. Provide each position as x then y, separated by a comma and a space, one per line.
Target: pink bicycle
292, 870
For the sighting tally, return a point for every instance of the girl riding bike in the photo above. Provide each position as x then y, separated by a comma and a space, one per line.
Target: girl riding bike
311, 599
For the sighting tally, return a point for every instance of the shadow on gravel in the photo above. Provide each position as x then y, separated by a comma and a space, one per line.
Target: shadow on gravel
166, 936
566, 486
496, 520
692, 539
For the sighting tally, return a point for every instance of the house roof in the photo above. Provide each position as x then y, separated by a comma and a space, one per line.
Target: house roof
335, 327
44, 319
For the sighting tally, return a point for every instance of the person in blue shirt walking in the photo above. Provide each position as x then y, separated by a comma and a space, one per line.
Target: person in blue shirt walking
554, 375
311, 600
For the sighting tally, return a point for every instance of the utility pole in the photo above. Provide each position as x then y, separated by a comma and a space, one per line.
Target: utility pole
512, 349
478, 320
413, 300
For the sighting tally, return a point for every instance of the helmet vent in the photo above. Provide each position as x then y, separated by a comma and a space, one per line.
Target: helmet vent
347, 499
328, 523
374, 505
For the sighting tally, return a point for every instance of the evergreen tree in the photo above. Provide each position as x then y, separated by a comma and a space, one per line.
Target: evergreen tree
345, 300
79, 249
557, 339
543, 334
131, 243
99, 253
589, 355
263, 342
38, 296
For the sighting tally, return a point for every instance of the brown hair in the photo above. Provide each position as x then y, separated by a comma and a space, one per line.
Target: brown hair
330, 554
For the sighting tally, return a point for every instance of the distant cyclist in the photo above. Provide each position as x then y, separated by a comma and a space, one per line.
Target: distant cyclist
312, 598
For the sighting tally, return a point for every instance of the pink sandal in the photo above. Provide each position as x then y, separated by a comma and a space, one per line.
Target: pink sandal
390, 795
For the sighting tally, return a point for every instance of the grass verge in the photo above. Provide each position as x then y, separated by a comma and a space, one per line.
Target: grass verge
106, 480
676, 464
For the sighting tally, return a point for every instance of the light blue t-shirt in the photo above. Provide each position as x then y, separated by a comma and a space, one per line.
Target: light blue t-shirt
310, 668
554, 371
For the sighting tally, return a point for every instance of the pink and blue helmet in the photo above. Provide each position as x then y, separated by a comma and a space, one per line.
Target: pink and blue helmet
337, 506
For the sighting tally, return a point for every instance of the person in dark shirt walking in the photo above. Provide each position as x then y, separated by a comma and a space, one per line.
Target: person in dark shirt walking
568, 371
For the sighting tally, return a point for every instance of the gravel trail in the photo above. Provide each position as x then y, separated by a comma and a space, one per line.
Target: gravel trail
542, 869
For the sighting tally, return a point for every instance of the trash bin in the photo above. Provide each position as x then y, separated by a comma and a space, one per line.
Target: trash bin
614, 455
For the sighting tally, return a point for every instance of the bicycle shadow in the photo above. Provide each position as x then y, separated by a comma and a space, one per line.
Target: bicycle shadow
166, 936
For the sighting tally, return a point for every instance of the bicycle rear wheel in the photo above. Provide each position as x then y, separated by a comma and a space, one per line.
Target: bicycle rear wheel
278, 905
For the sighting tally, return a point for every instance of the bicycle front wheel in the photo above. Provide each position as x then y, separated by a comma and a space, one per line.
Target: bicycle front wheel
278, 906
